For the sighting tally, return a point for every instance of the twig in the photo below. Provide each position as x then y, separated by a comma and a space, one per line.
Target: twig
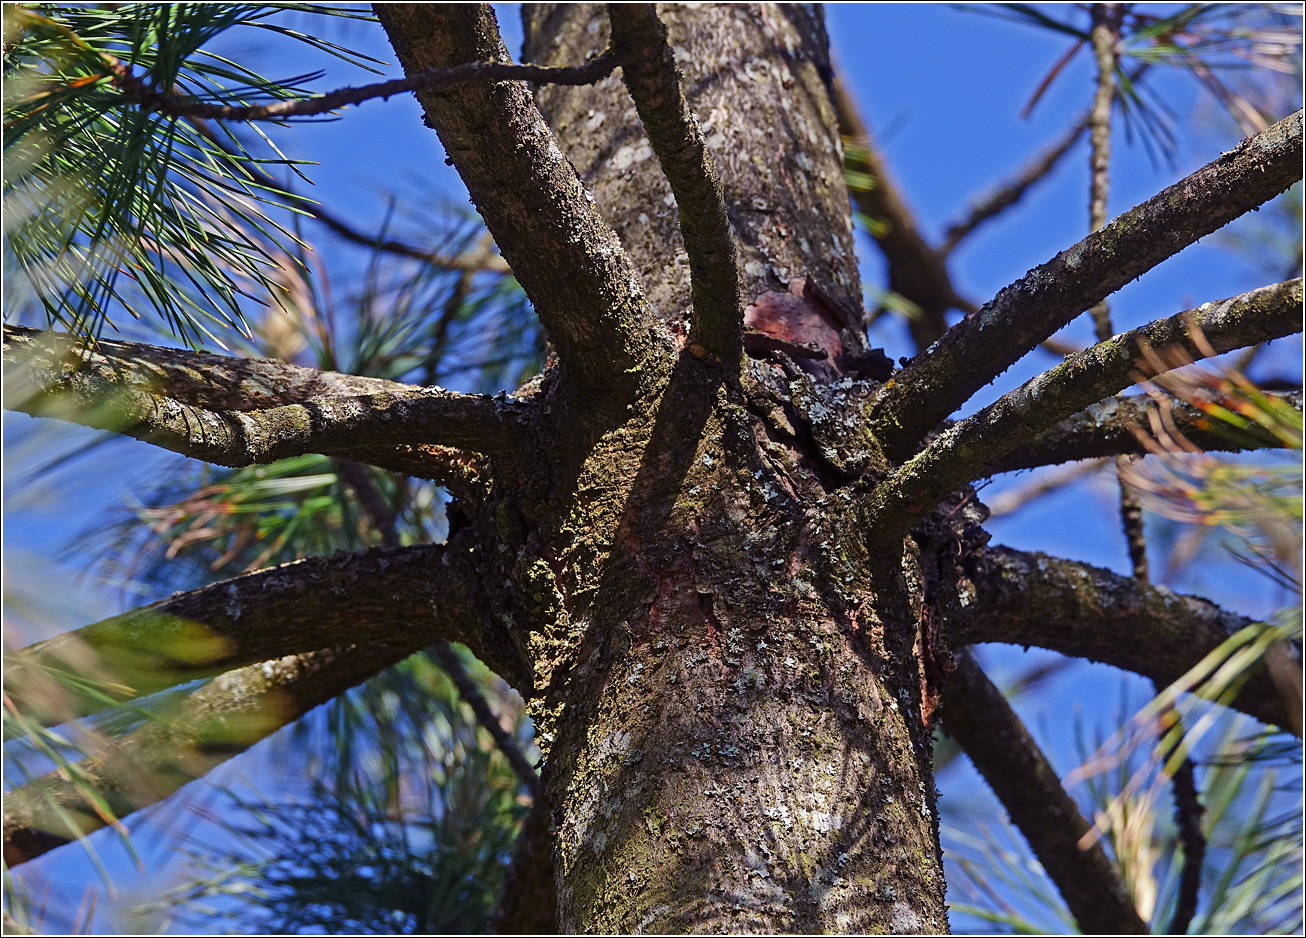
1011, 192
649, 70
175, 105
506, 742
1012, 500
917, 271
479, 261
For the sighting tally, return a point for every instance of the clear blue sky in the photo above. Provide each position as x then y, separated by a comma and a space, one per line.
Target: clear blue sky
943, 89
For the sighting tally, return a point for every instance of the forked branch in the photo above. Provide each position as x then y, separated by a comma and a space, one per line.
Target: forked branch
583, 287
971, 448
981, 347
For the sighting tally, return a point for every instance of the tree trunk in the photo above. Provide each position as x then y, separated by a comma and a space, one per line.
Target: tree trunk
733, 717
729, 707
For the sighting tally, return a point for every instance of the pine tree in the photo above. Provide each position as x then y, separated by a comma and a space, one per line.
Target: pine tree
730, 554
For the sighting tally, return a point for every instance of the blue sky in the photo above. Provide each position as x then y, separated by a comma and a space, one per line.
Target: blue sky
942, 88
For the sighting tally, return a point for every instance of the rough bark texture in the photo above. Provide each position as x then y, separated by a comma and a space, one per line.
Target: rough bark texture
240, 411
970, 447
1049, 296
735, 743
581, 284
756, 77
1082, 611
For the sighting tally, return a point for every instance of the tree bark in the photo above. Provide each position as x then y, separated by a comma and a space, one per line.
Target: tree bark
740, 746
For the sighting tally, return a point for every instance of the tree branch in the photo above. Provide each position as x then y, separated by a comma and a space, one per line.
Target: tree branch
981, 347
649, 70
1108, 429
423, 594
917, 271
178, 105
1012, 500
1024, 598
583, 288
486, 717
239, 412
979, 718
221, 719
969, 449
1011, 192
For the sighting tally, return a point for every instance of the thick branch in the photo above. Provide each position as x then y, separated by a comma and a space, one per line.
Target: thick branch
649, 70
221, 719
1108, 429
427, 593
983, 723
238, 412
969, 449
583, 287
1087, 612
981, 347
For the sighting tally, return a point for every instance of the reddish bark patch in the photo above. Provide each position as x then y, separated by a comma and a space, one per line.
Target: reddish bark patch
801, 316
